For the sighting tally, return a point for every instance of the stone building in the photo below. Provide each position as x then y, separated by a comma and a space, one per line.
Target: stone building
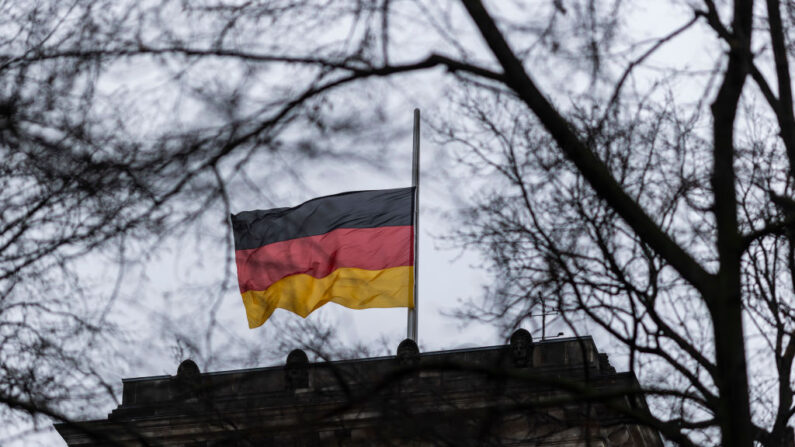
521, 394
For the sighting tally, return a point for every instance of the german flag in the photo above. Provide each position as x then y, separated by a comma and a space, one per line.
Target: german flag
354, 249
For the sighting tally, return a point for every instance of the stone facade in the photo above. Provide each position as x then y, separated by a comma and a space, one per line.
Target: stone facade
521, 394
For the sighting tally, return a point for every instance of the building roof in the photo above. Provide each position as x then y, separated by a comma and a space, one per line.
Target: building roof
522, 392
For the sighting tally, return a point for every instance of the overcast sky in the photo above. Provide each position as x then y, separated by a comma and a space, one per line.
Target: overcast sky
187, 265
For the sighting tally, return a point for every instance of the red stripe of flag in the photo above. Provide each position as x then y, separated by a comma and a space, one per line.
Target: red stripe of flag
365, 248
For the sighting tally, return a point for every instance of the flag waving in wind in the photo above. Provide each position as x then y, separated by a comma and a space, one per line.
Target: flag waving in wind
354, 249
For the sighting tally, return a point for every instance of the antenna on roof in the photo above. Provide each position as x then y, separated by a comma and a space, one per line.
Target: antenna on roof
543, 316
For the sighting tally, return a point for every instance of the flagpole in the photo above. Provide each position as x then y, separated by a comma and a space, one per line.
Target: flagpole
412, 326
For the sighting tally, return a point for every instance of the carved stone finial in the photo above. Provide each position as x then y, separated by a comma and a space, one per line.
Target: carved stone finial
521, 348
296, 372
188, 370
188, 377
408, 353
297, 356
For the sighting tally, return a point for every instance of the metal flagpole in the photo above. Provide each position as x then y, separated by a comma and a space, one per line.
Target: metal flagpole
415, 182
